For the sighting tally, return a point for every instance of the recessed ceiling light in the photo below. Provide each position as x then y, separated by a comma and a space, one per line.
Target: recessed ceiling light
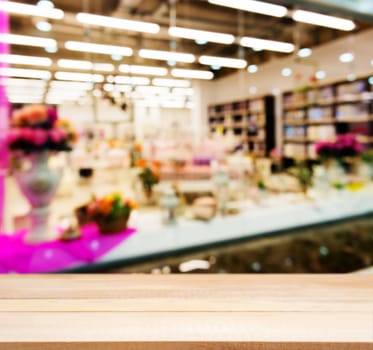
347, 57
201, 42
51, 49
256, 49
320, 74
171, 63
371, 62
370, 80
45, 4
215, 67
276, 91
253, 90
43, 26
305, 52
287, 72
253, 68
351, 77
116, 57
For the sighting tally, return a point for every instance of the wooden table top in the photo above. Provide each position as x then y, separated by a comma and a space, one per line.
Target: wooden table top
133, 312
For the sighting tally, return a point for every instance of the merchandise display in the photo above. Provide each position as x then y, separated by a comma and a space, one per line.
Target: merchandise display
135, 130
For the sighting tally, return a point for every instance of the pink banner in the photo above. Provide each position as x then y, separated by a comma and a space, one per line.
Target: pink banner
4, 116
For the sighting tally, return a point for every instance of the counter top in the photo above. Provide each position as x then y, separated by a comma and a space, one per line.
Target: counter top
256, 312
276, 214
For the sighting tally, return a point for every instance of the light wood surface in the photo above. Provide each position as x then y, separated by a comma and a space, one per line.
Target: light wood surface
255, 312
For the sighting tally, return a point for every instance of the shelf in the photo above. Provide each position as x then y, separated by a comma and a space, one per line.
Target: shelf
321, 121
354, 120
364, 97
296, 139
295, 123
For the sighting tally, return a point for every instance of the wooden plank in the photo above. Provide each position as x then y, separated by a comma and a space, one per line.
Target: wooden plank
186, 346
186, 326
256, 312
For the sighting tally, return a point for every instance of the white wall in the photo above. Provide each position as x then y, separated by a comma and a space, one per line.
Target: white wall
325, 57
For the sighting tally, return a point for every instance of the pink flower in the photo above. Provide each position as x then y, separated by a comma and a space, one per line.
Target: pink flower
14, 135
40, 137
27, 134
57, 135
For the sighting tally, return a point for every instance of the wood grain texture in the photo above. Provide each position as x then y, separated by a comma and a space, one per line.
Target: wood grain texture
256, 312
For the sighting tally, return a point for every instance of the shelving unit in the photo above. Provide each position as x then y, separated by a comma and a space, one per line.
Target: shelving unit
252, 122
320, 113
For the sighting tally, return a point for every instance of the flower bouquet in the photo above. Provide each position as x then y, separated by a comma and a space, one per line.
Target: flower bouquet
36, 128
344, 146
334, 154
36, 131
111, 213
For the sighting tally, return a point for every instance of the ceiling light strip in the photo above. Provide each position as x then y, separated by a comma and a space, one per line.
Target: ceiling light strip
70, 76
24, 73
223, 61
143, 70
192, 74
118, 23
263, 8
171, 82
270, 45
203, 35
30, 10
25, 40
26, 60
323, 20
167, 55
98, 48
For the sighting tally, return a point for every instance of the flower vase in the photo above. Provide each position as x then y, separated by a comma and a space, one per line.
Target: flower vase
363, 170
38, 184
336, 172
148, 196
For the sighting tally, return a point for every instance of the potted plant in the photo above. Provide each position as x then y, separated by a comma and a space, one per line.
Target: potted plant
111, 213
148, 176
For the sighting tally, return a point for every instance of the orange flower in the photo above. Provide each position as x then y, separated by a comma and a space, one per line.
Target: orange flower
138, 148
130, 203
157, 164
141, 163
